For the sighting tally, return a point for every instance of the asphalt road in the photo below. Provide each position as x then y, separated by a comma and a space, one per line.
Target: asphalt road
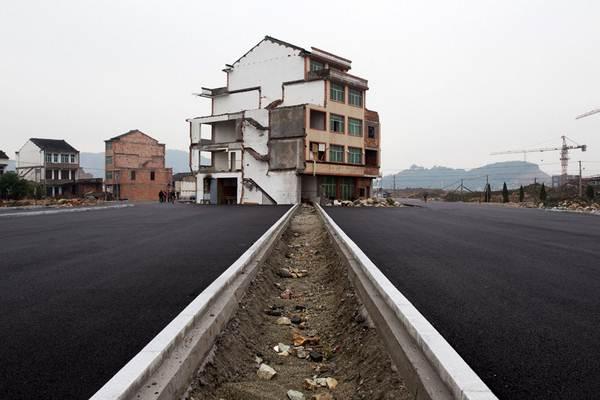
516, 292
82, 293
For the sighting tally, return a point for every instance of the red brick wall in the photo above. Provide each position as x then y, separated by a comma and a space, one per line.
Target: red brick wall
138, 152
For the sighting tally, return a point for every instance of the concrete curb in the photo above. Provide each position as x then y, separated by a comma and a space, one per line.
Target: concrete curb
164, 367
431, 367
63, 210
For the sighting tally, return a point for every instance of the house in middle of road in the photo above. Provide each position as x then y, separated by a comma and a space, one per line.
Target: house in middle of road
135, 167
3, 161
291, 124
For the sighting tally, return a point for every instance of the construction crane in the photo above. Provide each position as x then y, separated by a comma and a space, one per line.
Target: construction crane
587, 114
564, 154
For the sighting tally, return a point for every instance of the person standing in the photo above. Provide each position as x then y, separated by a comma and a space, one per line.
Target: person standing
161, 197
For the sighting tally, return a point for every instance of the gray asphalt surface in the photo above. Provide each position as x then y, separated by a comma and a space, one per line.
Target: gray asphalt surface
516, 292
82, 293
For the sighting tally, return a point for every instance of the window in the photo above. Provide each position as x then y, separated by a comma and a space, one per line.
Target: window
72, 158
347, 188
56, 174
64, 174
64, 158
355, 127
316, 65
132, 175
317, 151
336, 153
49, 174
354, 155
109, 175
152, 175
55, 157
48, 157
355, 97
336, 92
108, 145
328, 187
371, 132
336, 123
109, 160
317, 120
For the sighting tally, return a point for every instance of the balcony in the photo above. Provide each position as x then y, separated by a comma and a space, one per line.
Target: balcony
340, 76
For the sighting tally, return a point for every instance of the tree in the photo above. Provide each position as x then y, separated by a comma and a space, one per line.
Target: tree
521, 194
504, 193
543, 194
13, 187
589, 192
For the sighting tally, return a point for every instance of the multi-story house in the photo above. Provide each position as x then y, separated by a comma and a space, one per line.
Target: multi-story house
135, 167
3, 161
291, 124
52, 163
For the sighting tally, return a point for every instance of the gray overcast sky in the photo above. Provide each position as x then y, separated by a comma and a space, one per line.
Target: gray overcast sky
452, 80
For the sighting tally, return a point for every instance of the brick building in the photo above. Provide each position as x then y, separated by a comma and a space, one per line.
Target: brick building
135, 167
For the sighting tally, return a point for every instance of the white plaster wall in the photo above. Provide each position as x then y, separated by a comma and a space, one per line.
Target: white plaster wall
219, 175
260, 115
312, 92
236, 102
195, 154
256, 139
282, 186
268, 65
30, 155
196, 130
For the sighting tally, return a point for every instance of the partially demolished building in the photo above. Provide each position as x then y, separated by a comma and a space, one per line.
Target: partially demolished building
291, 124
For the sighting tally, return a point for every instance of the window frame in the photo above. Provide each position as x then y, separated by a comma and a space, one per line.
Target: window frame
108, 160
132, 175
331, 124
109, 175
361, 129
374, 129
315, 62
73, 159
48, 157
311, 153
152, 175
352, 154
342, 151
360, 96
55, 158
333, 90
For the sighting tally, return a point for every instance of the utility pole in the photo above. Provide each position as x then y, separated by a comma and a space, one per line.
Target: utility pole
580, 181
394, 184
461, 190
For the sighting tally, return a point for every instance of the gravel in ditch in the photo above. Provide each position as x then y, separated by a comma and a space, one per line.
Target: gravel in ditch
302, 319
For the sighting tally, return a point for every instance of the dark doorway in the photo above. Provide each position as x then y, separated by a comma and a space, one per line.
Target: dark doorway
227, 191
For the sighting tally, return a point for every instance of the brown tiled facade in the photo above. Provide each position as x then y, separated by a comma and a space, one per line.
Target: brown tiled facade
135, 167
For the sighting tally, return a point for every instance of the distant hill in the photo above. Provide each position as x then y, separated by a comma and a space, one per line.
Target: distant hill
514, 173
93, 163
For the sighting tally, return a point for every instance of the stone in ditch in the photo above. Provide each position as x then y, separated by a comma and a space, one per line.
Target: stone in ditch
331, 383
322, 396
284, 273
283, 321
309, 384
316, 356
295, 395
265, 372
283, 347
286, 294
301, 353
300, 307
321, 381
296, 320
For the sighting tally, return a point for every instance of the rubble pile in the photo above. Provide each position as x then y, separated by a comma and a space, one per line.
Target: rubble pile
578, 206
300, 332
51, 203
370, 202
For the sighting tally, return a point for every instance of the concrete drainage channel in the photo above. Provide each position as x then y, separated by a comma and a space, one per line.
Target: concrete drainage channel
284, 321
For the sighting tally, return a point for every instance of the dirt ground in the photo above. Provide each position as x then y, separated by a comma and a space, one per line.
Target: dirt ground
304, 281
